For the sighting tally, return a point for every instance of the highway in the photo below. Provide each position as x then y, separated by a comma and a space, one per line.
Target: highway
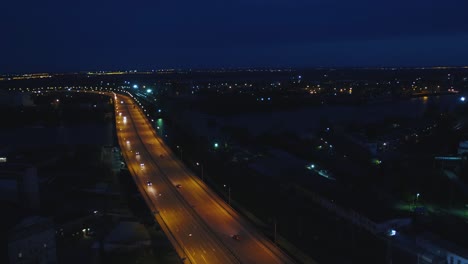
199, 223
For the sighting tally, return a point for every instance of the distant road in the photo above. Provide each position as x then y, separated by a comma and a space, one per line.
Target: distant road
197, 221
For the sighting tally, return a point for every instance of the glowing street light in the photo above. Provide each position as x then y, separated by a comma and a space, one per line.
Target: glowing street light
229, 193
199, 164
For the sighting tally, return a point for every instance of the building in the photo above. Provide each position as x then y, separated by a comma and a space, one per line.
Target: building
427, 248
452, 253
15, 99
33, 241
20, 183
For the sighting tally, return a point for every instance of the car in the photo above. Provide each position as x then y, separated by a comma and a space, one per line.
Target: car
236, 237
178, 186
142, 164
149, 183
137, 153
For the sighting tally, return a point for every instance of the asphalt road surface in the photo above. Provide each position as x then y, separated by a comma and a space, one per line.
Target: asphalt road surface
197, 221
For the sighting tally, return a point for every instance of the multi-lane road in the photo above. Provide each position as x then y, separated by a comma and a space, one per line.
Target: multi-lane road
199, 224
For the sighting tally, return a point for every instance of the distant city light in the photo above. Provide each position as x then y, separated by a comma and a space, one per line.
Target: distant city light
462, 99
135, 86
216, 145
148, 90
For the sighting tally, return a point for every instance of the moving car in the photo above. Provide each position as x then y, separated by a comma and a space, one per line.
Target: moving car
149, 183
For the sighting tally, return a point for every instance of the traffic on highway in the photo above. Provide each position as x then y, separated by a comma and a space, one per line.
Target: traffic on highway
202, 227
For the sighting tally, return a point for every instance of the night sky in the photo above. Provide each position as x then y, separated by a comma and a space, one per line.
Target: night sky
82, 35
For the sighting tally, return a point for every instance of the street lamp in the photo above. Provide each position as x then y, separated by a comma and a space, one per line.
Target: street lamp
179, 148
415, 200
229, 193
201, 165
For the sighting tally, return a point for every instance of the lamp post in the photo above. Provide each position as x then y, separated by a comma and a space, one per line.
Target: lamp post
179, 148
229, 193
415, 200
201, 165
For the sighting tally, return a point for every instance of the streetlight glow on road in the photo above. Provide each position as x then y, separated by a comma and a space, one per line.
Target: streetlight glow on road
154, 165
